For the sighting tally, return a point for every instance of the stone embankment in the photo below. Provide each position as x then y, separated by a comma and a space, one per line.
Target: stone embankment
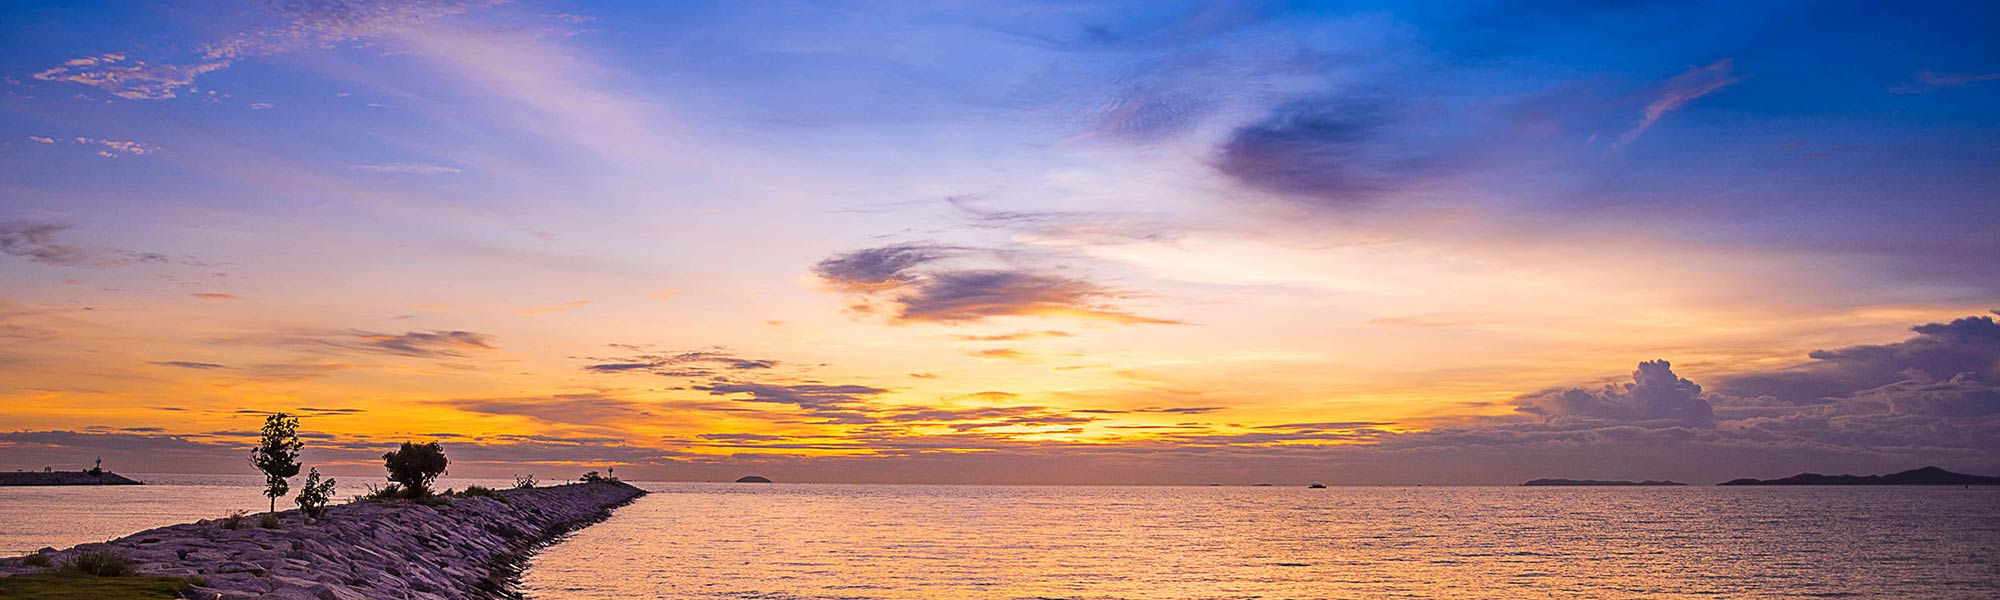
469, 548
28, 478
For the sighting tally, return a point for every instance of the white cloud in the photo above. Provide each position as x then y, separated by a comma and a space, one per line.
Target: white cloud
42, 139
117, 148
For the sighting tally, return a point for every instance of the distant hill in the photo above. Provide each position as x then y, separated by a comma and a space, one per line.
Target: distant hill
752, 479
24, 478
1923, 476
1594, 482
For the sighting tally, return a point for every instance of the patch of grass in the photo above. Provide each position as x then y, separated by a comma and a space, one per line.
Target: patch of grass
35, 559
268, 521
77, 586
233, 521
101, 563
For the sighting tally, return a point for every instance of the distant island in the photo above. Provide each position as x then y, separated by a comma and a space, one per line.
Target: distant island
1593, 482
752, 479
1923, 476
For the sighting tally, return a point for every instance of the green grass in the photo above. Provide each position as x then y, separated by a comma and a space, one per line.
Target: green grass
77, 586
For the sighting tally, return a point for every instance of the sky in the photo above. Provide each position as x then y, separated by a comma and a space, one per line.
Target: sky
1023, 242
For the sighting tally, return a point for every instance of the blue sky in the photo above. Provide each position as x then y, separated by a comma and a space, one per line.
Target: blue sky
866, 240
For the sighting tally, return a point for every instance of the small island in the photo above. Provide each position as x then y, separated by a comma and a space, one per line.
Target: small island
752, 479
91, 477
1595, 482
1923, 476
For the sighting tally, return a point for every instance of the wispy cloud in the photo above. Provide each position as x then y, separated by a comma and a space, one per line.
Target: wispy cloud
187, 364
419, 344
300, 26
1014, 336
699, 363
42, 139
1677, 92
216, 296
552, 308
908, 278
1929, 81
406, 168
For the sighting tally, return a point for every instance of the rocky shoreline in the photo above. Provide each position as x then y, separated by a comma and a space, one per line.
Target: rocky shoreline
472, 547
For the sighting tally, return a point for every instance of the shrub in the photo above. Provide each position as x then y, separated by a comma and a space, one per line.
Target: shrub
268, 521
525, 483
234, 520
315, 494
35, 559
477, 490
102, 563
387, 492
592, 476
415, 466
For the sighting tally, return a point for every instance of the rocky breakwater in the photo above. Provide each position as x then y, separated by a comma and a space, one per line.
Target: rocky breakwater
471, 547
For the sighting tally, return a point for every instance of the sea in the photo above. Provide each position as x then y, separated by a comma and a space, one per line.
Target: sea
828, 541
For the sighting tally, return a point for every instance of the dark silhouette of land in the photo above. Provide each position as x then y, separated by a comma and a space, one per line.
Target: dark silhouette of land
752, 479
1923, 476
1593, 482
99, 477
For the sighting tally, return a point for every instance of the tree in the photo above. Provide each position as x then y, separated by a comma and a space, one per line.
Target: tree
277, 455
315, 494
416, 466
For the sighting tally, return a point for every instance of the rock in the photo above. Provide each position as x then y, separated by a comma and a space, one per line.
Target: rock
369, 550
752, 479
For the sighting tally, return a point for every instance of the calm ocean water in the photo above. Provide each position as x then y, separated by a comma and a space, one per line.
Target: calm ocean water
693, 540
865, 541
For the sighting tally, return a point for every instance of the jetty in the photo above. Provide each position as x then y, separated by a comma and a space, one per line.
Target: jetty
463, 548
100, 477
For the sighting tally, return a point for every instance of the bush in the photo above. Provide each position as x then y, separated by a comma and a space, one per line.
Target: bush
234, 520
35, 559
102, 563
315, 494
387, 492
525, 483
592, 476
472, 491
268, 521
415, 466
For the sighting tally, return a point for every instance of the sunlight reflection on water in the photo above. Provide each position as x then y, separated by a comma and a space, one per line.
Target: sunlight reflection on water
866, 541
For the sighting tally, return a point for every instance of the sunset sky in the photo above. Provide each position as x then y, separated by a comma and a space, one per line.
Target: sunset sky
1056, 242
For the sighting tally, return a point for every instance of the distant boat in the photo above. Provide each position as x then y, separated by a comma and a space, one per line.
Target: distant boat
752, 479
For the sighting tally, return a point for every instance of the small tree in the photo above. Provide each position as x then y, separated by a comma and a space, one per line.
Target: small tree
416, 466
525, 483
315, 494
277, 455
